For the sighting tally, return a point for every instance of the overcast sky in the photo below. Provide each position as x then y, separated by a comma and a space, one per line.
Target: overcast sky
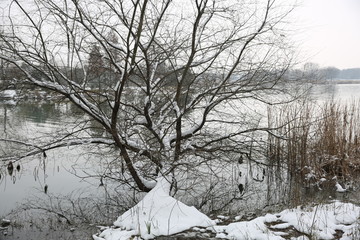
328, 32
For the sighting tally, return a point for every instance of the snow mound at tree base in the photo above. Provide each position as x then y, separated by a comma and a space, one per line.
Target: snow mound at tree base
156, 214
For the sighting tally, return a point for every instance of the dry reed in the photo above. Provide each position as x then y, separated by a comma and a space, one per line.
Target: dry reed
315, 143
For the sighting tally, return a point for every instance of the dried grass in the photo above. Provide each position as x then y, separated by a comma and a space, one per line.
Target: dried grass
315, 142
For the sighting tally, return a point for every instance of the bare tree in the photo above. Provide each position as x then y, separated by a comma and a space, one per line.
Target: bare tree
188, 74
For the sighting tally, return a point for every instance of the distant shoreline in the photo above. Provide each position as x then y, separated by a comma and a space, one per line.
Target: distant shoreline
344, 81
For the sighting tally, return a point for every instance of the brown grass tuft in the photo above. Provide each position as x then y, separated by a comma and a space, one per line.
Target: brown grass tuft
316, 142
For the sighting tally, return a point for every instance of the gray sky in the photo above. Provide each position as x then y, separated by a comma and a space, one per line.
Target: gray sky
328, 32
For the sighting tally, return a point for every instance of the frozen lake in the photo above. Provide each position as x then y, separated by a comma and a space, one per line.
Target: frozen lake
61, 169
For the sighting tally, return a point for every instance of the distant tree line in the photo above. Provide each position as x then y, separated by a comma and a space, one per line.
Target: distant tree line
314, 73
351, 73
335, 73
100, 75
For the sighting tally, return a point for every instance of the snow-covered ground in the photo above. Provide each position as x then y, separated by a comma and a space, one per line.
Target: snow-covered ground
8, 94
322, 221
159, 214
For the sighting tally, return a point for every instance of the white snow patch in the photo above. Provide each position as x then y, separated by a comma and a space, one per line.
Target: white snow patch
117, 234
321, 221
140, 120
160, 214
156, 214
176, 109
146, 100
251, 230
8, 93
300, 238
281, 233
281, 226
339, 188
238, 218
221, 235
148, 183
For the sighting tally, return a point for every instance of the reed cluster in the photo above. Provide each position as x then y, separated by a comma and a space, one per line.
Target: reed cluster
315, 142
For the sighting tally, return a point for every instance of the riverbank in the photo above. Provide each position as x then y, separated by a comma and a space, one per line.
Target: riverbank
334, 220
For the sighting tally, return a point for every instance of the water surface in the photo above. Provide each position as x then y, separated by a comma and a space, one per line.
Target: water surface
59, 170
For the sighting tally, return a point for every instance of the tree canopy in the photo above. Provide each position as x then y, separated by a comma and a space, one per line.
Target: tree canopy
180, 75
